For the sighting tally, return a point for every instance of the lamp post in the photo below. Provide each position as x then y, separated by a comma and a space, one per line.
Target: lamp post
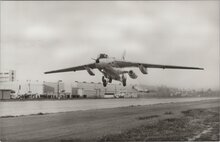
115, 89
29, 86
58, 88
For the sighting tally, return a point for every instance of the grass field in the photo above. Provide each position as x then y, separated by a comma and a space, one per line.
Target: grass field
172, 121
194, 125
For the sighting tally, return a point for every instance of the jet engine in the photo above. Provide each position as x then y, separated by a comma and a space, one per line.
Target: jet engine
90, 71
143, 69
132, 74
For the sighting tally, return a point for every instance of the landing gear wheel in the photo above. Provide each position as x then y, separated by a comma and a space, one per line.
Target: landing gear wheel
124, 82
110, 80
104, 81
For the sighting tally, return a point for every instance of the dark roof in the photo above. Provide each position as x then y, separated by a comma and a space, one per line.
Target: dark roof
6, 90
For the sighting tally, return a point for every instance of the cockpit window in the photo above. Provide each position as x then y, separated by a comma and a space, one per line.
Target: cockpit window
103, 56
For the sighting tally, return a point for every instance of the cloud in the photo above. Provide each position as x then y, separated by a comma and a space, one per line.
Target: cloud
39, 32
52, 35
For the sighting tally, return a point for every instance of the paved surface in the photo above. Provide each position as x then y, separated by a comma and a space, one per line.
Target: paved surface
54, 106
89, 124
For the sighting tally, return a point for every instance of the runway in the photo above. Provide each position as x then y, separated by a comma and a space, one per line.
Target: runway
17, 108
90, 124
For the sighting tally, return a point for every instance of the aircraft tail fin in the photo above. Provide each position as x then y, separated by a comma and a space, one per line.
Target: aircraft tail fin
123, 55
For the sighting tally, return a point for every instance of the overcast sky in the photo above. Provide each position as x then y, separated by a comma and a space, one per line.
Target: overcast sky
39, 36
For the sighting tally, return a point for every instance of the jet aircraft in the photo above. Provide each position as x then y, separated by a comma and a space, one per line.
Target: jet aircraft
113, 69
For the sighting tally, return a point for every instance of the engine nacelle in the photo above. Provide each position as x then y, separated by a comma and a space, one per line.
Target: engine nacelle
90, 71
132, 74
143, 69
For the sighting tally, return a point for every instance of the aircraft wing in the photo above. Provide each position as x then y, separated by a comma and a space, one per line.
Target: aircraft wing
124, 64
77, 68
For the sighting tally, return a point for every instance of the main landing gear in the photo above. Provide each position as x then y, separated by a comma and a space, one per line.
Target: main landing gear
110, 80
124, 80
105, 82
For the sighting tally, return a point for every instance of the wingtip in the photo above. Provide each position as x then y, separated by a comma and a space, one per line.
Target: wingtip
46, 72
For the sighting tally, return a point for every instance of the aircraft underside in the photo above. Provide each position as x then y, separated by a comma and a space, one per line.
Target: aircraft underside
110, 73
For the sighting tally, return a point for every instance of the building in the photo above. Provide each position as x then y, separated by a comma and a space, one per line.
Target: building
8, 76
96, 90
53, 90
5, 94
34, 89
49, 91
28, 88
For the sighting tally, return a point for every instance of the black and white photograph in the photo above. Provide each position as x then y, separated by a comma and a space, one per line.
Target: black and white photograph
108, 71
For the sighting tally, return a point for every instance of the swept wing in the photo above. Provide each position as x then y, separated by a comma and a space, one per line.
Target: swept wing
123, 64
77, 68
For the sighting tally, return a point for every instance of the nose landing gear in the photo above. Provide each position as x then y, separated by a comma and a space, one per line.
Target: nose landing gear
104, 81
